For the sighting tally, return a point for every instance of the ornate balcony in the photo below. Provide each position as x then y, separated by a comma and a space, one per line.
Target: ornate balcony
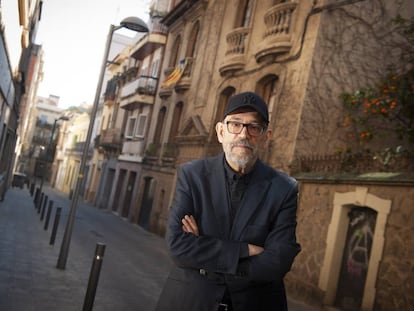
277, 37
235, 58
156, 38
137, 92
110, 138
165, 92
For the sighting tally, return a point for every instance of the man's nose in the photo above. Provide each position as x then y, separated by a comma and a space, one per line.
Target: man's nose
244, 131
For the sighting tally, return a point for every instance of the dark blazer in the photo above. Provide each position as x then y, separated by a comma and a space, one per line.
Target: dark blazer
207, 264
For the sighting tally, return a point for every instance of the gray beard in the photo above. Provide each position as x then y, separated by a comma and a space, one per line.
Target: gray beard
240, 161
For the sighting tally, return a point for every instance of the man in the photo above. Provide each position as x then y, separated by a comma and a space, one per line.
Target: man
231, 229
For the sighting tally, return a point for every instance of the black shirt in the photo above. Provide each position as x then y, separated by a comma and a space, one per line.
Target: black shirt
236, 186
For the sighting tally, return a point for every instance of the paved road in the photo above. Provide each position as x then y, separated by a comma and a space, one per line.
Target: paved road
133, 271
134, 267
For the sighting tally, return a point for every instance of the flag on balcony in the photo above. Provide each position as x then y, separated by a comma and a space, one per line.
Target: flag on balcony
176, 74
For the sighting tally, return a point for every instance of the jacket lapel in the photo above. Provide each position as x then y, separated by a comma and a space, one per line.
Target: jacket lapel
220, 199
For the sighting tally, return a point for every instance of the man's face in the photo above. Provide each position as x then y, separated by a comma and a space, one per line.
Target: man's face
241, 149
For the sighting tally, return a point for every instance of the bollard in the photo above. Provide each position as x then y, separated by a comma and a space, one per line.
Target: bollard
36, 198
49, 211
42, 215
55, 226
94, 277
32, 189
39, 203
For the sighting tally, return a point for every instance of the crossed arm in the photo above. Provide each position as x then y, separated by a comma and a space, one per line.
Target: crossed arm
189, 225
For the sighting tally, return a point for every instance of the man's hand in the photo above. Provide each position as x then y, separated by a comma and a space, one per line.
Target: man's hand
190, 225
255, 250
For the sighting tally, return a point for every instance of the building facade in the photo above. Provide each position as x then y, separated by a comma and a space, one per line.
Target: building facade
18, 87
300, 56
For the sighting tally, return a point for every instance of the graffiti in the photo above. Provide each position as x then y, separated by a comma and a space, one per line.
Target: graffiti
359, 246
356, 256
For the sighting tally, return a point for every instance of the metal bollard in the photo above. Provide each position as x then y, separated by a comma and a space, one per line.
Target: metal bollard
39, 203
49, 211
42, 215
32, 185
94, 277
55, 226
36, 198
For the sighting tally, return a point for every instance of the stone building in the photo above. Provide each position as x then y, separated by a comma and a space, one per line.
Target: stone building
18, 86
299, 56
355, 209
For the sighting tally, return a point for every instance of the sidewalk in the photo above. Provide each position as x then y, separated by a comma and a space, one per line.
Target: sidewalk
131, 278
133, 272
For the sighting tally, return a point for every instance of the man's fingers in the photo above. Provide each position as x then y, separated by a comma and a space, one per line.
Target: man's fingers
190, 225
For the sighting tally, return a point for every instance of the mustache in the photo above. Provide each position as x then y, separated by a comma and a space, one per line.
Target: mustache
242, 142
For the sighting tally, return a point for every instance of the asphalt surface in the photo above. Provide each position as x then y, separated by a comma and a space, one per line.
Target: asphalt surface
133, 270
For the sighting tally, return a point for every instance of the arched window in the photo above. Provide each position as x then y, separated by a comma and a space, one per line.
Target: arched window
266, 88
192, 42
223, 99
214, 146
174, 52
244, 14
160, 125
175, 122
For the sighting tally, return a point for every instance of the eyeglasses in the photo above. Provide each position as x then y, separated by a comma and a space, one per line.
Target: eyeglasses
254, 129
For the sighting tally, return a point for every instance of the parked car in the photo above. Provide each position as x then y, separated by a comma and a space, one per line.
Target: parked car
19, 179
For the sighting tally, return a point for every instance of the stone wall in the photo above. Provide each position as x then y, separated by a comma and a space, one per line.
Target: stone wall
395, 278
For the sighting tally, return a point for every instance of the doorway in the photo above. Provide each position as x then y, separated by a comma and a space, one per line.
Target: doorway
128, 194
355, 259
147, 201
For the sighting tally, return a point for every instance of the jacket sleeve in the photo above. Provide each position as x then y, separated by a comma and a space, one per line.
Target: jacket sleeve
189, 251
280, 246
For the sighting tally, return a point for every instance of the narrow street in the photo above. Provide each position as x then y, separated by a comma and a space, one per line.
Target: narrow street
133, 271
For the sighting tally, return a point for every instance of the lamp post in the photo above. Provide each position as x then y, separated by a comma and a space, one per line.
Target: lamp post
132, 23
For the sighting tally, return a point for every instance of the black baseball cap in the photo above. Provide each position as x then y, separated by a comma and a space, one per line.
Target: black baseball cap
247, 100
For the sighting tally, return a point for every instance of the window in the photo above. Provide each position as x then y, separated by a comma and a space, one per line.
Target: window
243, 16
43, 119
193, 40
176, 121
174, 52
160, 124
140, 127
129, 133
154, 68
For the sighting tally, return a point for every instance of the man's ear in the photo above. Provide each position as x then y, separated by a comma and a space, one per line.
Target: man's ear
267, 139
219, 131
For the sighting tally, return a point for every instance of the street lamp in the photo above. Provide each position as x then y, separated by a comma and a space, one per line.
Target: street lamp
132, 23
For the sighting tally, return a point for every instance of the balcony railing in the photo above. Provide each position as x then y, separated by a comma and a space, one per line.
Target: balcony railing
110, 138
277, 36
236, 41
78, 148
132, 151
156, 38
236, 49
142, 85
140, 90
